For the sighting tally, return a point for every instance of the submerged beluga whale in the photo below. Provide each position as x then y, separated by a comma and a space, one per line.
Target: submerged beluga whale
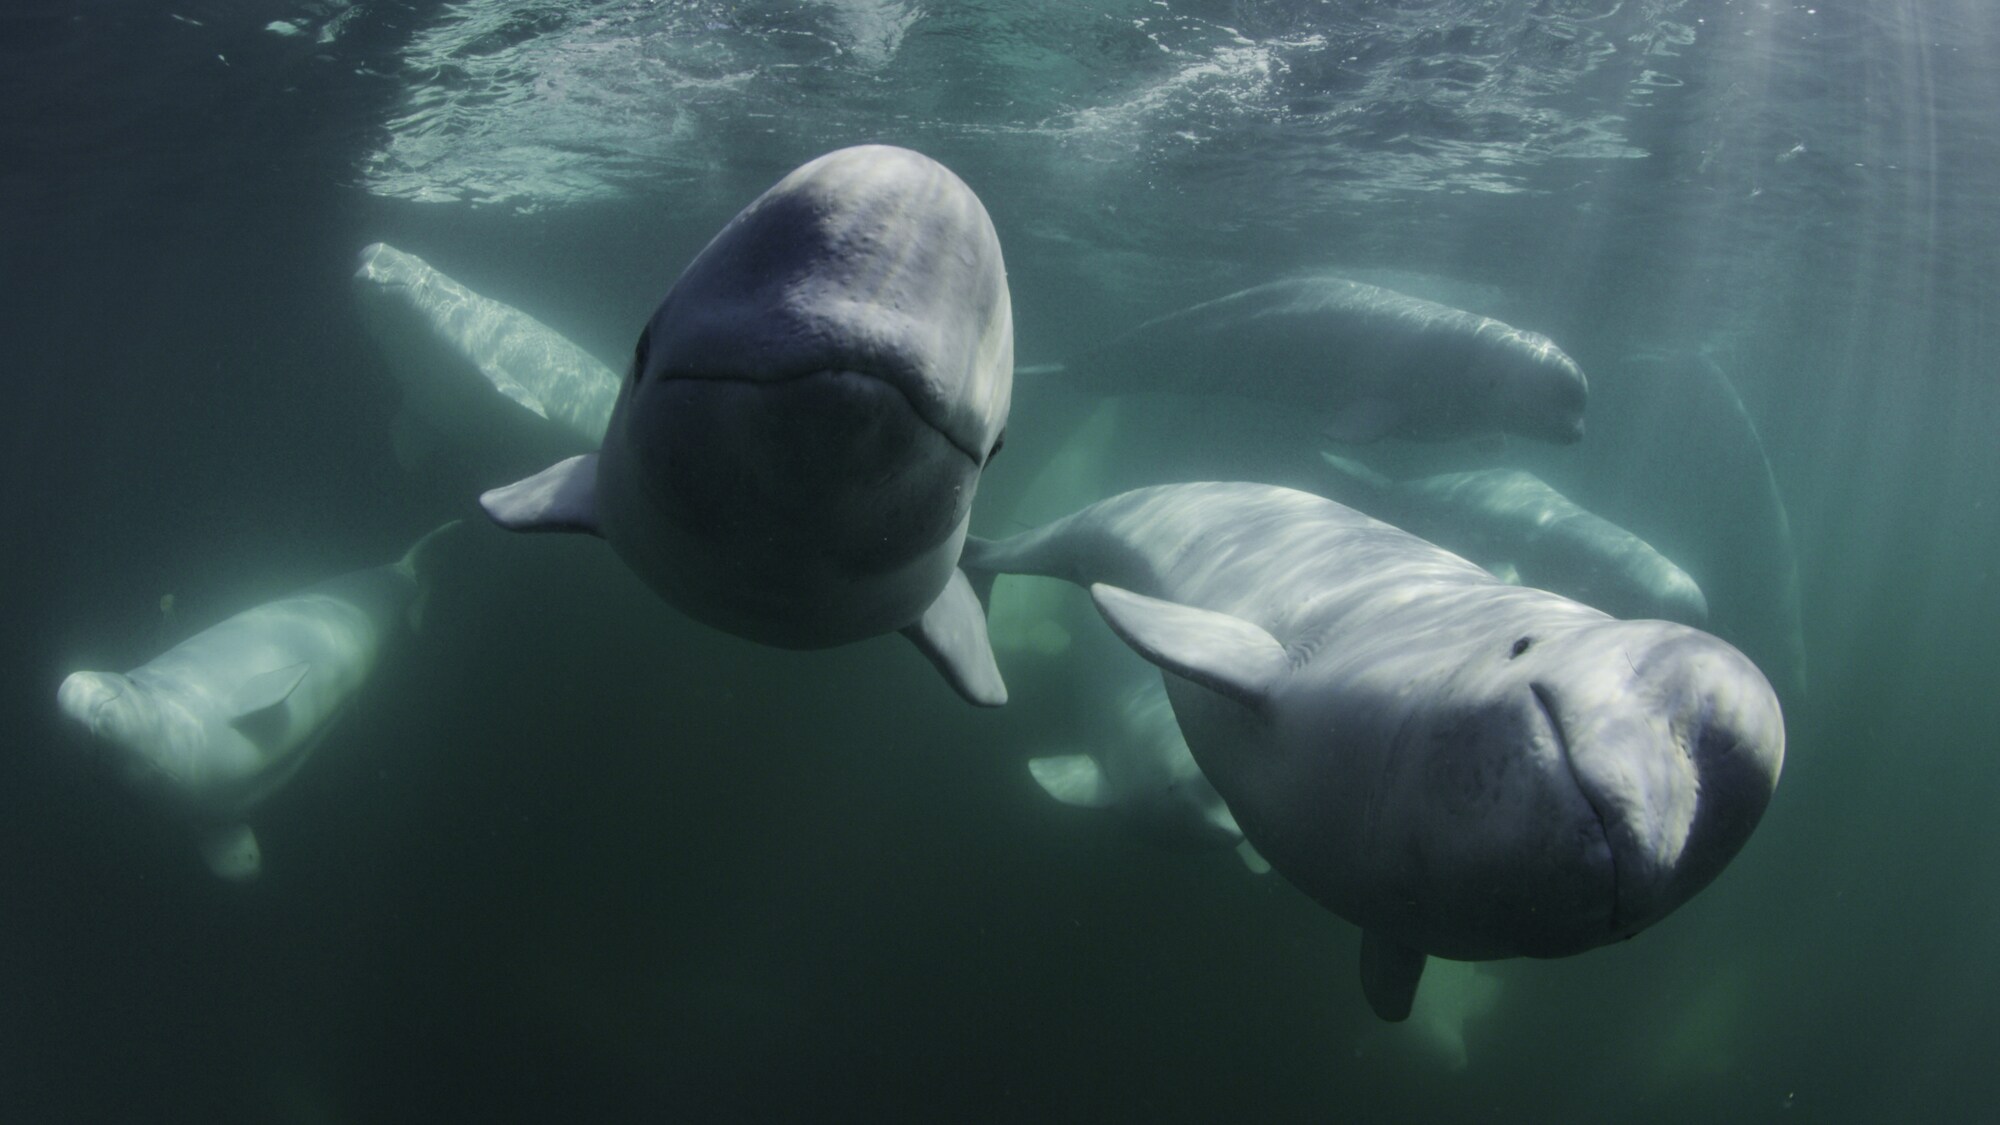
1364, 362
1513, 517
793, 455
484, 376
1146, 775
1460, 767
223, 719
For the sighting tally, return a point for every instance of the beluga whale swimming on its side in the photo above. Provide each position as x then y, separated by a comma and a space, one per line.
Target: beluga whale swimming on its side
1363, 362
220, 721
793, 455
1461, 767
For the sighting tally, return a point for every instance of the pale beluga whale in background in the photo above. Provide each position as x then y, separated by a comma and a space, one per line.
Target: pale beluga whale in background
794, 454
1458, 766
1147, 776
1364, 362
1510, 516
217, 723
506, 390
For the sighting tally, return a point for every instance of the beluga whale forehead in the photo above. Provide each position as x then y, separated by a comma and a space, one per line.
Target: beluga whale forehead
1461, 767
794, 453
874, 260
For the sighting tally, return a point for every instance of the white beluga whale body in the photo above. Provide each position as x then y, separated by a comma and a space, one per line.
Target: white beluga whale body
217, 723
485, 376
1148, 777
794, 454
1458, 766
1365, 362
1511, 516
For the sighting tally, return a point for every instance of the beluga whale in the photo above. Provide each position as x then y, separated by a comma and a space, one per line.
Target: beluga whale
1460, 767
217, 723
505, 390
1511, 517
1145, 774
1363, 362
793, 453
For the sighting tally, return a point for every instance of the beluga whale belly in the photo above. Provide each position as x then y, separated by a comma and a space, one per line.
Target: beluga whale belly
793, 455
1458, 766
220, 721
1364, 362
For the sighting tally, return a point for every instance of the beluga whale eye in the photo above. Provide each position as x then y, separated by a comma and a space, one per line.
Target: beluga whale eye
1520, 647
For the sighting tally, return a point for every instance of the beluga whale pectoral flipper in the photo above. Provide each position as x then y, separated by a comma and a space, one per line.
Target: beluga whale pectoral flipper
220, 721
1462, 768
793, 455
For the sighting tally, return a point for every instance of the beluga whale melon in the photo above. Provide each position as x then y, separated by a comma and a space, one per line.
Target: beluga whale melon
1460, 767
220, 721
1363, 362
793, 454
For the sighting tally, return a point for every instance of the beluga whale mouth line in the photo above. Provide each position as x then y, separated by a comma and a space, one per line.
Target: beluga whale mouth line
885, 378
1546, 705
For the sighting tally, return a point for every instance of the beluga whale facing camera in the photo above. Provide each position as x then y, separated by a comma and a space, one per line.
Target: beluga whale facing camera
793, 454
1461, 767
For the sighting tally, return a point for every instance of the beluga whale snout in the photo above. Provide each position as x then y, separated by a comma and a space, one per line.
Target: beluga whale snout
793, 455
1461, 767
1675, 740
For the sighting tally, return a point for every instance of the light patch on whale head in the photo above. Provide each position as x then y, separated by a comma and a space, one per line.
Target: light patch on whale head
125, 718
1541, 391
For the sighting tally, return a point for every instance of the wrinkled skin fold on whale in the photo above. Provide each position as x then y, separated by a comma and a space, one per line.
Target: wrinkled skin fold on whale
794, 453
1461, 767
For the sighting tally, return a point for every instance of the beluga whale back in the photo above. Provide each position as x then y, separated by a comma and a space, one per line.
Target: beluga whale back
1364, 362
793, 455
1458, 766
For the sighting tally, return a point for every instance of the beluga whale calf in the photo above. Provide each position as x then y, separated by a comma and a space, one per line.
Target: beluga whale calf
793, 454
1363, 362
1460, 767
222, 720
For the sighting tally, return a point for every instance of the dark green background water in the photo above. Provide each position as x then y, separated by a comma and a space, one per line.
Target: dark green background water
576, 858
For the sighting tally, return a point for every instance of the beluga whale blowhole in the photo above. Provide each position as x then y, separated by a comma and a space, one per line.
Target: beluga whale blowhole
793, 454
1460, 767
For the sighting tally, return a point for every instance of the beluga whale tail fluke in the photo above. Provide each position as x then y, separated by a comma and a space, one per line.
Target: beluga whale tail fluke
1462, 768
793, 454
217, 723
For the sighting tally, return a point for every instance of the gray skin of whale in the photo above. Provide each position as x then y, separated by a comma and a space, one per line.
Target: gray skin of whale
1458, 766
220, 721
1512, 516
1363, 361
794, 453
492, 381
